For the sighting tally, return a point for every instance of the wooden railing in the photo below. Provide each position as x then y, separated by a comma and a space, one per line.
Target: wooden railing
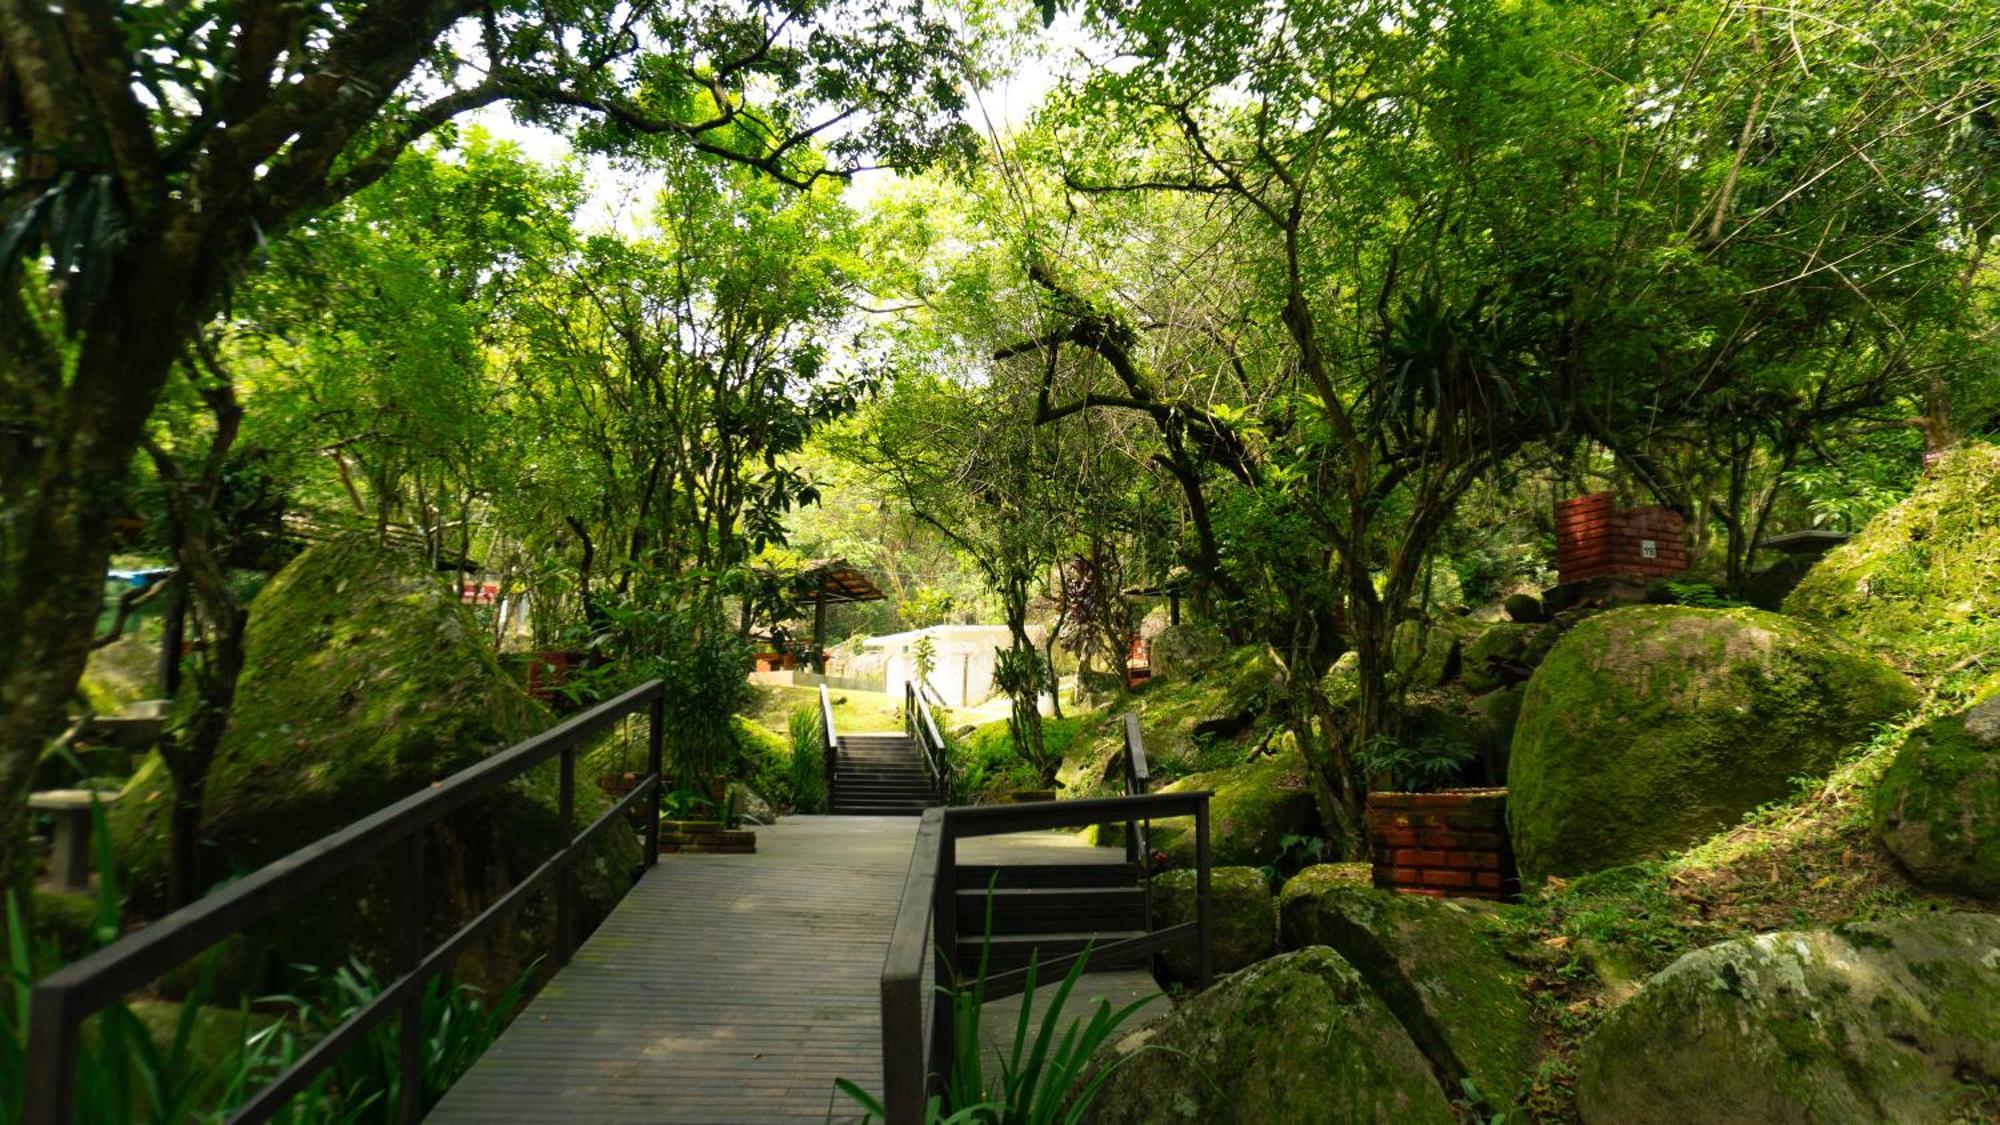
61, 1002
921, 726
829, 743
913, 1048
1138, 780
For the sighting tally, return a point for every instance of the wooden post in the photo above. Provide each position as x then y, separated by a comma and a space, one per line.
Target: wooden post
819, 631
566, 875
409, 954
944, 935
655, 741
52, 1049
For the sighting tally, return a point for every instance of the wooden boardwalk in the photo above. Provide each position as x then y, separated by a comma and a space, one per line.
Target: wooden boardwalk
729, 989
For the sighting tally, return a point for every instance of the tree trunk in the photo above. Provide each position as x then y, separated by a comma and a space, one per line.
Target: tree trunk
63, 478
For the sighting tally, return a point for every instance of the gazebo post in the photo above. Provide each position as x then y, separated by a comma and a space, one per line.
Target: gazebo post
819, 632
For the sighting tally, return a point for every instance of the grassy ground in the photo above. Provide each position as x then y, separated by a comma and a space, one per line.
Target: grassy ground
852, 710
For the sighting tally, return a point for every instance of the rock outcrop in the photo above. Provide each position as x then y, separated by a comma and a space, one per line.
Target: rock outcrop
1937, 808
1244, 929
367, 680
1299, 1039
1442, 966
1869, 1022
1650, 727
1919, 581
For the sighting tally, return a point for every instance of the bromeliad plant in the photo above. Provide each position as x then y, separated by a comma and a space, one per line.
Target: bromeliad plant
1043, 1081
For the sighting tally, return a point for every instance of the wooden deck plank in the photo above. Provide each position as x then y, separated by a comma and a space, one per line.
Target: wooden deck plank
727, 989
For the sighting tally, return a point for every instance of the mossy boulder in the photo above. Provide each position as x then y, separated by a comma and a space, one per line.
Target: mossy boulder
1879, 1021
1243, 931
1498, 656
1442, 965
1183, 651
366, 680
1179, 718
1254, 807
1650, 727
1937, 808
1921, 582
1298, 1039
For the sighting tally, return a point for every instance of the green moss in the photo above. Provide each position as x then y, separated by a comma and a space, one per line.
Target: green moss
1189, 725
1441, 965
1922, 581
1244, 926
1298, 1039
1872, 1022
1253, 807
1648, 728
1500, 645
1938, 806
366, 680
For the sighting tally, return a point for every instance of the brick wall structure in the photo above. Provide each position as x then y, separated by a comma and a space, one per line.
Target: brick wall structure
1451, 843
1597, 539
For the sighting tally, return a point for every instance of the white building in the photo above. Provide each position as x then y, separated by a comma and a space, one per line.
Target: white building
964, 659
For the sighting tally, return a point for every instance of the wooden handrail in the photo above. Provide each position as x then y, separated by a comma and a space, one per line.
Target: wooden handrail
927, 919
920, 725
829, 744
61, 1002
1138, 780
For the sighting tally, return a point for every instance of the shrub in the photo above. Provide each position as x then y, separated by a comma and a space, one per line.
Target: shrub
807, 762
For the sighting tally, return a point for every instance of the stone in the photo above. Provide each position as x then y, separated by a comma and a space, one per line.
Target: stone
1918, 581
1937, 808
1254, 807
1243, 930
1442, 965
1297, 1039
1497, 657
1185, 651
1525, 608
365, 680
1867, 1022
1650, 727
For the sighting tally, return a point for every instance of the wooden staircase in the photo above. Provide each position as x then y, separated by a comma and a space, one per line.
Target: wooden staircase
1047, 911
881, 774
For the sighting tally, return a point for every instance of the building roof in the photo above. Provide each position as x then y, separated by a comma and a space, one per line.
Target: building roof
835, 581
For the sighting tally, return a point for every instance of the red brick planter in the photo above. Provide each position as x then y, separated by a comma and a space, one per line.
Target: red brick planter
1452, 843
1595, 539
705, 836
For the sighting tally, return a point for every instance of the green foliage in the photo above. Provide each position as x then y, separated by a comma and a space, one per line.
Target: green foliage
202, 1062
808, 762
703, 661
1433, 762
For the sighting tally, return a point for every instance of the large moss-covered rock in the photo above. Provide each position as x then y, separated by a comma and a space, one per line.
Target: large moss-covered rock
1938, 806
1888, 1021
1650, 727
1922, 580
1243, 930
1298, 1039
1184, 651
1254, 807
1225, 704
1442, 966
367, 680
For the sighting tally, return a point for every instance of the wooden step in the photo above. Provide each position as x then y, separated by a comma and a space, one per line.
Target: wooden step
1015, 875
1013, 951
1034, 910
